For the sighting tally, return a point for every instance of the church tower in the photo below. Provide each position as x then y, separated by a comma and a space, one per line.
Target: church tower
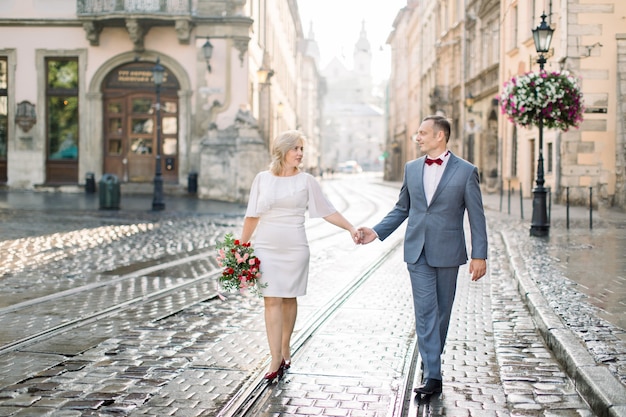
363, 55
354, 126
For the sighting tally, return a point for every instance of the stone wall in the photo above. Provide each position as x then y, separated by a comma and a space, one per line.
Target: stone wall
229, 161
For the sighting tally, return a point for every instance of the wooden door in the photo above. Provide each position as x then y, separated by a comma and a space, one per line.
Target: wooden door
131, 137
114, 133
130, 133
142, 140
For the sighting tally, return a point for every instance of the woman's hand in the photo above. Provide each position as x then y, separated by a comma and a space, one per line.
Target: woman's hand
356, 235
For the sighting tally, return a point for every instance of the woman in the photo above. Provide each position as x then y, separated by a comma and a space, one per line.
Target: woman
276, 206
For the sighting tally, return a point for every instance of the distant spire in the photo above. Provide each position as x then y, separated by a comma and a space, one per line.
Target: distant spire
363, 54
362, 45
311, 46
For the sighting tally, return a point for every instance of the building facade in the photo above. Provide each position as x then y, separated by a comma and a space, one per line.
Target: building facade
458, 54
353, 116
586, 43
78, 97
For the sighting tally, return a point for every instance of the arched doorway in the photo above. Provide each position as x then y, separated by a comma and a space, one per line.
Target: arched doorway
129, 118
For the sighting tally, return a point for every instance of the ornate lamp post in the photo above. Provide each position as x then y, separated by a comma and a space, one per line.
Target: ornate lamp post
157, 200
207, 51
540, 225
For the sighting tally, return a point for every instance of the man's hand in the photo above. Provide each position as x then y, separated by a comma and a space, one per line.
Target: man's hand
478, 268
367, 235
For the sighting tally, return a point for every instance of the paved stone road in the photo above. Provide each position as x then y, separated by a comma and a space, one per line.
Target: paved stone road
496, 361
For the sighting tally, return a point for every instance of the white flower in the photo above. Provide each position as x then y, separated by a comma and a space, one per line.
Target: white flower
553, 98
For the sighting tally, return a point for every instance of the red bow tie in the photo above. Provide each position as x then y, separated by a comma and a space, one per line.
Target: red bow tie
437, 161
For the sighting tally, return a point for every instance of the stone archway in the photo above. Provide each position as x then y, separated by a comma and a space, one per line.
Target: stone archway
94, 156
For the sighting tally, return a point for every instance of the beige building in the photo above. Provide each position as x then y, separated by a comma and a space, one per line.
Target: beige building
453, 57
588, 42
426, 77
77, 92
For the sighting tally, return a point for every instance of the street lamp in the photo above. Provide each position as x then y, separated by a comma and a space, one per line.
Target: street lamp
469, 102
207, 51
542, 35
157, 201
540, 225
264, 75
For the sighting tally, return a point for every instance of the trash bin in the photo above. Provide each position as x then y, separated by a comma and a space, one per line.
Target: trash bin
109, 186
90, 183
192, 183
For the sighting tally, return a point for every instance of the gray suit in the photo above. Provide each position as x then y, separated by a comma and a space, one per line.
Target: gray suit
434, 246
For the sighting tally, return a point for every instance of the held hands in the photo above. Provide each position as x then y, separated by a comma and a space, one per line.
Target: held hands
366, 235
362, 235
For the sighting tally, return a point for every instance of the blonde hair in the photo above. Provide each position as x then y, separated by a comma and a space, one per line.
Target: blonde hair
282, 144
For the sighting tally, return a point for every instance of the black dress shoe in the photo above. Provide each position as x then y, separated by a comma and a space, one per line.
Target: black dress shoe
431, 386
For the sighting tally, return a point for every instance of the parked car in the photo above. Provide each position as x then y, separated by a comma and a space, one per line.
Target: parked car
350, 167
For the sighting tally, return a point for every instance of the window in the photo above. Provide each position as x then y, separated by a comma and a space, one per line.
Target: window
485, 47
514, 28
549, 159
533, 21
62, 108
495, 45
4, 108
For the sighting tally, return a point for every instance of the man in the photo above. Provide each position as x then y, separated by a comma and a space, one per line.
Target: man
437, 190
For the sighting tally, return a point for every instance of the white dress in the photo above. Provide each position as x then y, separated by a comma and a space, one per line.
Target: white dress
280, 240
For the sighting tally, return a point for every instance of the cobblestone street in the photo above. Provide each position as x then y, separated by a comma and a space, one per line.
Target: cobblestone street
527, 340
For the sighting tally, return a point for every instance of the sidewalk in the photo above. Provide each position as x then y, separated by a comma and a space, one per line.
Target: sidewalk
574, 284
44, 201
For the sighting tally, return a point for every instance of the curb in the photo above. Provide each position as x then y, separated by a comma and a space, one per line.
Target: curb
605, 393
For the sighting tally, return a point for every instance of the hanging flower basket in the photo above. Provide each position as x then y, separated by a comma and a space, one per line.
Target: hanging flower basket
552, 97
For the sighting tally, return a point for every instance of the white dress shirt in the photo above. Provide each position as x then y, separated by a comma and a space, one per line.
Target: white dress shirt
432, 176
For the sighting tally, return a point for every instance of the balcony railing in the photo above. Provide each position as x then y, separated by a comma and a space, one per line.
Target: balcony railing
123, 7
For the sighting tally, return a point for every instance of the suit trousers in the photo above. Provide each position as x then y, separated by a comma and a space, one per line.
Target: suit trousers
433, 296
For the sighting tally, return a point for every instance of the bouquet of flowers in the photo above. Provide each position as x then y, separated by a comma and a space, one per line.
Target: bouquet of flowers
553, 98
241, 268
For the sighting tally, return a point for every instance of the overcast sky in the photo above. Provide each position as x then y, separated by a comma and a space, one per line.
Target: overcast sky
337, 26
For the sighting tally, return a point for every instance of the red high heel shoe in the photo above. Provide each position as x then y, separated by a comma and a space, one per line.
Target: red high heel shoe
286, 364
276, 375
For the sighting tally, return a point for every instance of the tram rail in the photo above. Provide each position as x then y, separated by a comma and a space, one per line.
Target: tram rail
255, 389
250, 397
73, 323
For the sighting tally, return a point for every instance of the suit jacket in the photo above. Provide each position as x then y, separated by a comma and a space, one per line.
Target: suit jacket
438, 228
